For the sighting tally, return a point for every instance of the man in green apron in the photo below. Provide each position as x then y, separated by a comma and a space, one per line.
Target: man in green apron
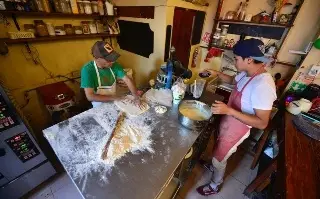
98, 77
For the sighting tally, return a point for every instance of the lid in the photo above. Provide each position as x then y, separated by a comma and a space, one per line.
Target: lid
218, 28
226, 26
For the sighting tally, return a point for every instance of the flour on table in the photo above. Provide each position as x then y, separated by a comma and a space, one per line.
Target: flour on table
160, 109
127, 105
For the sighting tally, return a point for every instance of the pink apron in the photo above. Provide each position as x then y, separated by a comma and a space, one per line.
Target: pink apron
231, 129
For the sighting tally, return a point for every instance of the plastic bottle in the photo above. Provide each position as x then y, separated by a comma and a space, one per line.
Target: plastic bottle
109, 8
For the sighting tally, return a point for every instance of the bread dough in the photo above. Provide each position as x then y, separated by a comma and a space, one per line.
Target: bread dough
160, 109
193, 113
128, 106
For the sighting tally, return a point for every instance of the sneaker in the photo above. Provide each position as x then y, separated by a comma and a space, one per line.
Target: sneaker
207, 165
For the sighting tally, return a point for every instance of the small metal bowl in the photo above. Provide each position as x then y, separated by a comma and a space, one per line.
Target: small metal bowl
191, 123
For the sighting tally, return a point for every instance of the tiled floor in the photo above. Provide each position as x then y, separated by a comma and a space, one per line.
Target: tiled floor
238, 176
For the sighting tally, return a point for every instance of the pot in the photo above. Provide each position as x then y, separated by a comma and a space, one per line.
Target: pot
192, 123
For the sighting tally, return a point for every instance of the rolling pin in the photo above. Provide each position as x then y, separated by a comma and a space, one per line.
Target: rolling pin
117, 125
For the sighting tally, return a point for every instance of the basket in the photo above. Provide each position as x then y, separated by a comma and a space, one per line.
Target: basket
20, 35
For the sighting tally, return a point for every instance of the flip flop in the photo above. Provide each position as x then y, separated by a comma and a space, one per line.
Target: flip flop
206, 190
207, 165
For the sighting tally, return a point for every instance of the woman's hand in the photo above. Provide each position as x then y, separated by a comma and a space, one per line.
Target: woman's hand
220, 108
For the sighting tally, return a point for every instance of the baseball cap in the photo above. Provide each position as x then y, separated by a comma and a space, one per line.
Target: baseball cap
104, 50
253, 48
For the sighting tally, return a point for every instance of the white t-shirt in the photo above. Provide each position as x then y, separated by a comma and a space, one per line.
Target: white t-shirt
260, 93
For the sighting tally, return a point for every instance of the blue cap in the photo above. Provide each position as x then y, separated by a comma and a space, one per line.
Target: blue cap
253, 48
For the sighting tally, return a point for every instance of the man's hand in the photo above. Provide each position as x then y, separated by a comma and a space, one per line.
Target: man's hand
220, 108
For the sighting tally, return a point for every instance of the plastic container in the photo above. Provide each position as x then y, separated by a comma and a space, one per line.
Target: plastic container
109, 8
93, 28
39, 5
100, 7
64, 6
216, 37
57, 5
78, 30
94, 6
69, 29
87, 7
74, 7
59, 30
50, 29
85, 27
224, 30
41, 28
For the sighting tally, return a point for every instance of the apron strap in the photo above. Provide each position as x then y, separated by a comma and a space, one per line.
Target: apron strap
253, 76
98, 76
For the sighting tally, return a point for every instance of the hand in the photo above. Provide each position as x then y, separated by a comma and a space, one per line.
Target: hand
212, 72
220, 108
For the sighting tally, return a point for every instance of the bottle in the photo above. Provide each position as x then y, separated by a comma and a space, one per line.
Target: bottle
57, 5
100, 7
74, 7
39, 5
216, 37
46, 5
68, 6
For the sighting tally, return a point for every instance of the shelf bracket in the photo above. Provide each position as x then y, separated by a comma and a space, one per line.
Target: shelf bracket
14, 18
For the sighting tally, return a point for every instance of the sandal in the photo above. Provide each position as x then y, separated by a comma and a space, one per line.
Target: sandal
206, 190
207, 165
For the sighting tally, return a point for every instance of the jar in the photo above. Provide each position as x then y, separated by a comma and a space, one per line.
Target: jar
39, 5
94, 6
99, 26
221, 40
224, 30
93, 28
57, 5
2, 5
81, 7
109, 8
41, 28
216, 37
59, 30
78, 30
87, 7
30, 28
50, 29
85, 27
64, 6
100, 7
69, 29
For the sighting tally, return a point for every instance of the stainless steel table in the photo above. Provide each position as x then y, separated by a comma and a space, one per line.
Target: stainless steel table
139, 175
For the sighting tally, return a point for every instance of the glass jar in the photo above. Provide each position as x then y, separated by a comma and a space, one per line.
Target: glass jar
41, 28
59, 30
94, 6
30, 28
50, 29
81, 7
99, 26
224, 30
216, 37
69, 29
93, 28
78, 30
87, 7
85, 27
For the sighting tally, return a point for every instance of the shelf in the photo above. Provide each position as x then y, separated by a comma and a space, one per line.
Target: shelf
250, 23
55, 38
219, 47
51, 14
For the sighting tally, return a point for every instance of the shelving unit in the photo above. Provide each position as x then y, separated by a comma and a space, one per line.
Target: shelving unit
56, 38
51, 14
253, 23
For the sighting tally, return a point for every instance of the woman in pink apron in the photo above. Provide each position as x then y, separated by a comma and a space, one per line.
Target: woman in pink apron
249, 105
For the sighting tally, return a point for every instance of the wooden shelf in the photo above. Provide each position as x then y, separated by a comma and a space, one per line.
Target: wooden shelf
222, 48
51, 14
250, 23
56, 38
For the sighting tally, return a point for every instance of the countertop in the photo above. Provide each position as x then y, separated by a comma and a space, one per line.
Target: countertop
302, 163
142, 174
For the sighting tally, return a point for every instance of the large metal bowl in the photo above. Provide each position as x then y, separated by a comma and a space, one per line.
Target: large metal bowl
189, 122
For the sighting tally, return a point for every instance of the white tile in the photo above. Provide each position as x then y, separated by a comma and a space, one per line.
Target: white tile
60, 182
44, 193
215, 196
193, 194
232, 189
68, 192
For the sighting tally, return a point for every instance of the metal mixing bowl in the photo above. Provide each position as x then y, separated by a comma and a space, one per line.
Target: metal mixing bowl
190, 123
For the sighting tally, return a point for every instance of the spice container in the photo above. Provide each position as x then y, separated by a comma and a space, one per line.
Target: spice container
85, 27
30, 28
59, 30
93, 28
81, 7
41, 28
99, 26
57, 5
69, 29
78, 30
87, 7
50, 29
94, 6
